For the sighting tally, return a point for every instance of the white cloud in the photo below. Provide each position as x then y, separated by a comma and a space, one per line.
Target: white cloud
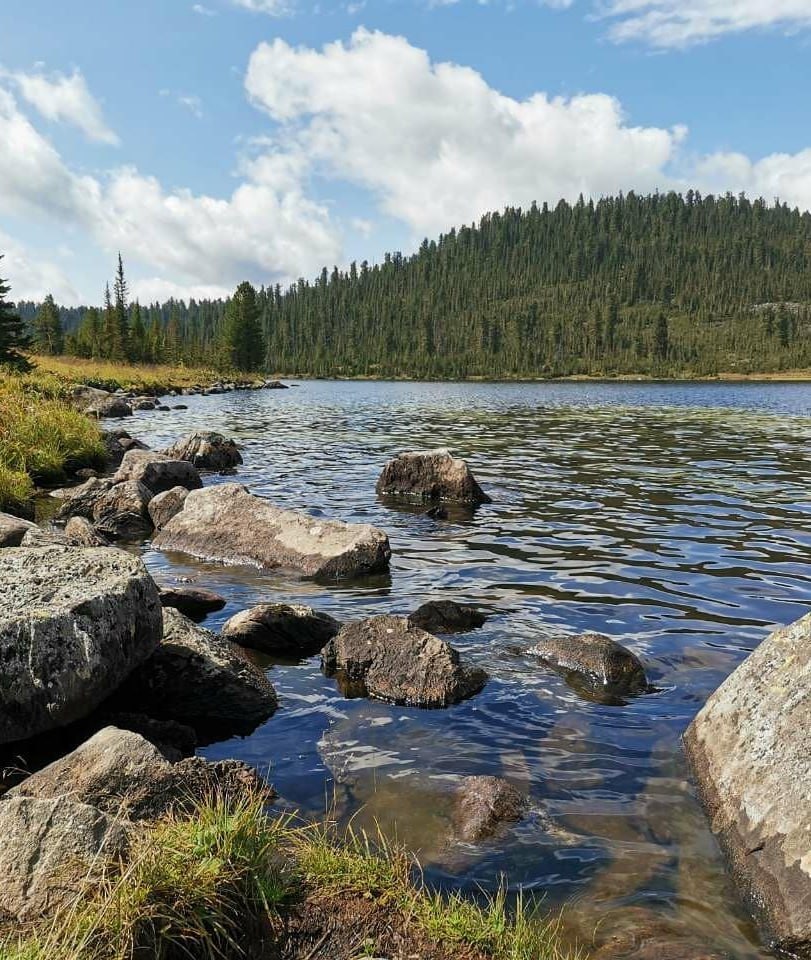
158, 289
780, 175
678, 23
203, 10
275, 8
32, 276
188, 101
66, 99
437, 145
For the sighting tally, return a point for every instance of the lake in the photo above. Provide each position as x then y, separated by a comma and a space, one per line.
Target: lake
673, 517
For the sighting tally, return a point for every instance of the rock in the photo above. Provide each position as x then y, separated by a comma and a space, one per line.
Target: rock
430, 475
193, 602
81, 500
437, 513
180, 406
82, 393
174, 740
165, 505
122, 774
162, 408
122, 511
156, 471
447, 616
44, 537
143, 403
109, 407
80, 532
13, 529
206, 450
86, 473
390, 659
483, 804
200, 679
228, 524
282, 629
73, 624
750, 752
599, 662
51, 849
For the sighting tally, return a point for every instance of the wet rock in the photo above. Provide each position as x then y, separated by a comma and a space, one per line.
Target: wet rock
109, 408
116, 444
44, 537
143, 403
275, 385
207, 450
165, 505
447, 616
174, 740
122, 511
193, 602
13, 529
483, 804
598, 662
750, 752
81, 501
390, 659
636, 933
80, 532
162, 408
229, 524
437, 513
73, 624
200, 679
51, 849
430, 475
157, 471
282, 629
180, 406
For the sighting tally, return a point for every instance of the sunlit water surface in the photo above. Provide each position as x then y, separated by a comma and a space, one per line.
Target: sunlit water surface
674, 517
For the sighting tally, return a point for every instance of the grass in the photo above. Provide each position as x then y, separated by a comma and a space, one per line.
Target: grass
208, 885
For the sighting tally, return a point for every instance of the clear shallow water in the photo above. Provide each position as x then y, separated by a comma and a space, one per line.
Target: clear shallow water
674, 517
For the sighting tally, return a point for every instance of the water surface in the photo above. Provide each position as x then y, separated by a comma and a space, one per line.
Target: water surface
674, 517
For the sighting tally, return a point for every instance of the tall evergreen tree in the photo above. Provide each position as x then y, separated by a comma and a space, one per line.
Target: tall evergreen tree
121, 321
243, 340
48, 336
137, 334
13, 337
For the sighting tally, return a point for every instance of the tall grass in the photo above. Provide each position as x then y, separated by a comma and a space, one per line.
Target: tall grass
107, 375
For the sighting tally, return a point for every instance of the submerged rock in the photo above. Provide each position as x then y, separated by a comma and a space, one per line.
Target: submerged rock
193, 602
74, 623
750, 752
157, 472
13, 529
430, 475
229, 524
207, 450
165, 505
447, 616
282, 629
200, 679
483, 804
598, 662
51, 849
390, 659
109, 407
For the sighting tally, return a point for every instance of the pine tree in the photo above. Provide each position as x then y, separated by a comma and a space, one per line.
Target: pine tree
121, 322
661, 337
48, 335
13, 337
243, 341
112, 346
137, 334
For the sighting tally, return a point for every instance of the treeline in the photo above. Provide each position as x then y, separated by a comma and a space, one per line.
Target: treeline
663, 285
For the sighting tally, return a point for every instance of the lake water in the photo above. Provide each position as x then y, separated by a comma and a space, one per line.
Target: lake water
673, 517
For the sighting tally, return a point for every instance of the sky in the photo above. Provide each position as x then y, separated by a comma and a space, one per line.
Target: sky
217, 141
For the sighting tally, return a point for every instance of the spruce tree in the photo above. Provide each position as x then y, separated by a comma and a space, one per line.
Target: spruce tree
243, 341
13, 337
121, 322
137, 334
48, 335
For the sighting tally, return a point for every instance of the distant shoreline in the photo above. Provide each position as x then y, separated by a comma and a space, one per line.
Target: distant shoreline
787, 376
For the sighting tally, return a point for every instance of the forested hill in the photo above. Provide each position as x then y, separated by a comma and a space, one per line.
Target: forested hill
664, 284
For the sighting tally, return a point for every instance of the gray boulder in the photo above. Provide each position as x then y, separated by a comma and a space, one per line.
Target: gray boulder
80, 532
199, 679
207, 450
143, 403
227, 523
109, 408
13, 529
84, 394
157, 471
44, 537
447, 616
165, 505
430, 475
81, 501
282, 629
116, 444
483, 804
597, 663
192, 602
390, 659
750, 752
122, 511
73, 624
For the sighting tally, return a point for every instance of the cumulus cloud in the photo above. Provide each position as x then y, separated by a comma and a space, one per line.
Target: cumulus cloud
66, 99
32, 276
779, 176
435, 143
678, 23
276, 8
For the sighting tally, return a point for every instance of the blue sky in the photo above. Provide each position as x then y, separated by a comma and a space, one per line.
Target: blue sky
229, 139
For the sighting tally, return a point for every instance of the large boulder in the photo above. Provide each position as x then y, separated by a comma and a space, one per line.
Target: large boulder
157, 471
122, 511
390, 659
109, 407
227, 523
44, 537
80, 532
193, 602
116, 444
207, 450
51, 851
483, 804
73, 624
122, 774
200, 679
81, 501
165, 505
430, 475
13, 529
594, 662
750, 752
447, 616
282, 629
